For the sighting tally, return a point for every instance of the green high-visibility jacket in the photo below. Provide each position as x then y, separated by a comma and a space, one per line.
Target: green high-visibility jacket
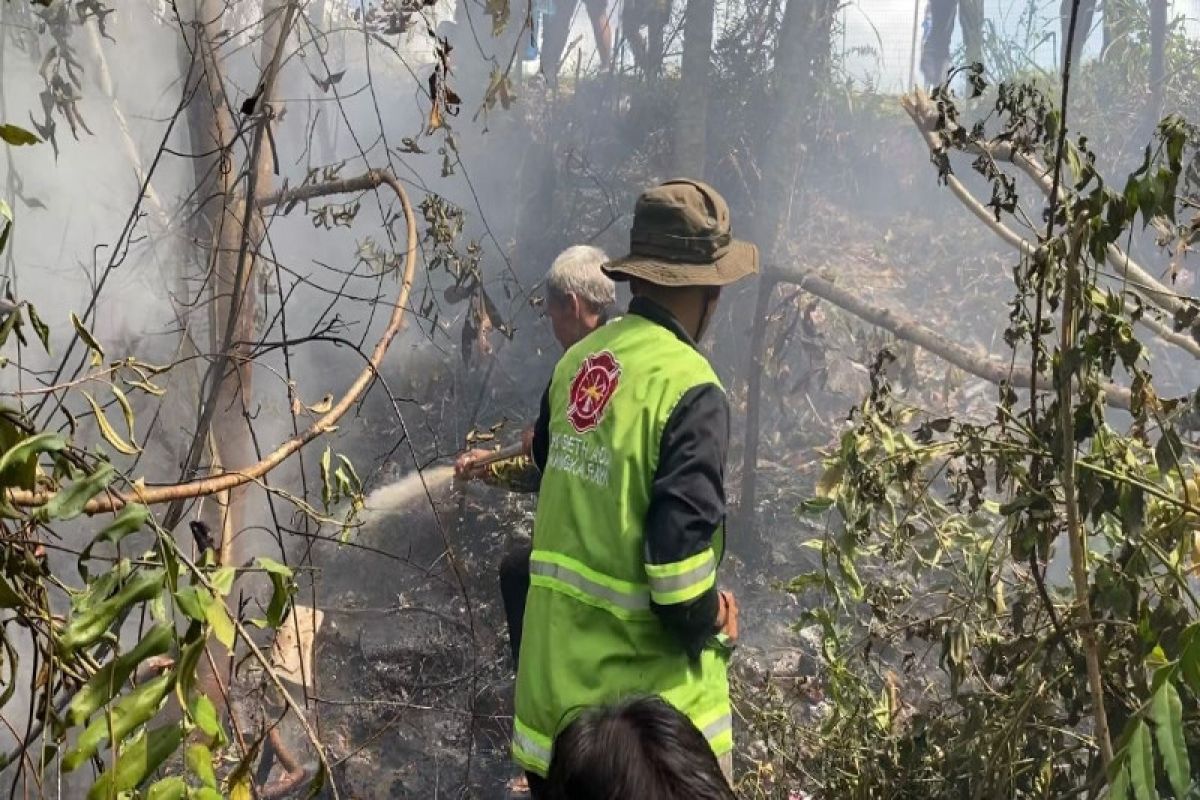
590, 636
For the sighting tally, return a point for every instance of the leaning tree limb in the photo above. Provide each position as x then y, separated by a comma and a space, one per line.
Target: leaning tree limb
993, 370
925, 116
224, 481
1027, 248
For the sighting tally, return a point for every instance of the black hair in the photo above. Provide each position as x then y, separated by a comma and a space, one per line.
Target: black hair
640, 749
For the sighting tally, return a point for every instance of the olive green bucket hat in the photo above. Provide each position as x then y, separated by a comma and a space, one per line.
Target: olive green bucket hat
681, 237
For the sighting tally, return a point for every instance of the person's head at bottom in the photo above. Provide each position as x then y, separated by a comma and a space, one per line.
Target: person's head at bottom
640, 749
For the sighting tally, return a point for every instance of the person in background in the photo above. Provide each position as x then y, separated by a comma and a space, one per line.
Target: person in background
939, 28
647, 49
1118, 16
557, 31
631, 442
579, 297
639, 748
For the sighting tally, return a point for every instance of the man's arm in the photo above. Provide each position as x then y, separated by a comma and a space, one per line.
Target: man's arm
517, 474
514, 474
687, 505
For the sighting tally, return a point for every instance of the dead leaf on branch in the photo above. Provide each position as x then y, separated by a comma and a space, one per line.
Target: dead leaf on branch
445, 102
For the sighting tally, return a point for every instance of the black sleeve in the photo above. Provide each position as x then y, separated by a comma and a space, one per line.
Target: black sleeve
541, 433
687, 505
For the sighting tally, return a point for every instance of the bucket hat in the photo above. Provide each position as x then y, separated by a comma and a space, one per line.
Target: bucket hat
681, 237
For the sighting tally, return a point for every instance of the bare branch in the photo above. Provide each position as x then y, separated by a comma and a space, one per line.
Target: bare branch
993, 370
924, 115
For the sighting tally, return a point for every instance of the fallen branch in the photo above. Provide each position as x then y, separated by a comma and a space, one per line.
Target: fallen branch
224, 481
990, 369
924, 115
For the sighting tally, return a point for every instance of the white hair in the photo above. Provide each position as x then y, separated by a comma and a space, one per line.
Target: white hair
577, 271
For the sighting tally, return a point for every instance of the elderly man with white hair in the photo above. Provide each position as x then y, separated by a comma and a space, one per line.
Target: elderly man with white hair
578, 299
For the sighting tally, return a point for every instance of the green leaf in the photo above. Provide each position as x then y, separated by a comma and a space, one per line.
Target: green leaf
282, 589
70, 502
1166, 712
1118, 786
816, 505
1141, 763
1189, 656
93, 621
109, 679
18, 466
17, 136
807, 582
272, 566
199, 762
222, 580
6, 220
350, 474
89, 340
39, 327
222, 626
241, 790
103, 586
127, 714
204, 714
850, 574
194, 601
327, 490
108, 431
137, 762
172, 788
130, 520
12, 322
1168, 451
9, 597
126, 410
189, 658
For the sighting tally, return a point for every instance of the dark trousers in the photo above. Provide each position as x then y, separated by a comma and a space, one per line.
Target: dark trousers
514, 589
935, 50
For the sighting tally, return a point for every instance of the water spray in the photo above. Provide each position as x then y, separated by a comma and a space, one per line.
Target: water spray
394, 497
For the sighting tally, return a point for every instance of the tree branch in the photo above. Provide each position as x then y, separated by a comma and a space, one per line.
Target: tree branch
993, 370
924, 115
225, 481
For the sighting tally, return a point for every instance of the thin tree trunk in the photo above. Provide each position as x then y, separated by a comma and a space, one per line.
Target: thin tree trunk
1076, 534
1158, 58
691, 118
802, 58
754, 373
236, 239
801, 65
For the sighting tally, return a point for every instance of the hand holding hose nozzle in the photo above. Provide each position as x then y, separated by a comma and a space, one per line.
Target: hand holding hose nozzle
472, 464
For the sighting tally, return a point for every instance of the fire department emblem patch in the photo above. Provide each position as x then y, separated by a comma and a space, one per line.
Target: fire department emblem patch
591, 389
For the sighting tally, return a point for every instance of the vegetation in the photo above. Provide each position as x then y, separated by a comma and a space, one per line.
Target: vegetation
1015, 613
1003, 589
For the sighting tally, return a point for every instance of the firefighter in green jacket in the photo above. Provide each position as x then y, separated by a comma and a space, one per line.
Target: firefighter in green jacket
631, 441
